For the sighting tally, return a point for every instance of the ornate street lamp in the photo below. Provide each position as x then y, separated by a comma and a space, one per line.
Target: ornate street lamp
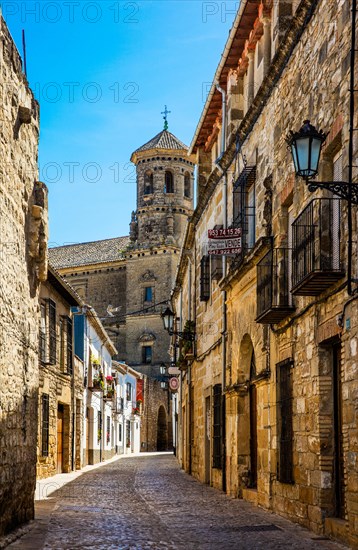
305, 146
168, 319
168, 322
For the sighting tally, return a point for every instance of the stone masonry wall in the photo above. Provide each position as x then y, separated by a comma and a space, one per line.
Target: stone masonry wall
23, 242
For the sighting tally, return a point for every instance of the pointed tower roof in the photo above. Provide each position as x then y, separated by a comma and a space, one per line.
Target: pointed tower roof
165, 140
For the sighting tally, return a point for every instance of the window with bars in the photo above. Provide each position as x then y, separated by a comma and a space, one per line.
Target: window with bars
62, 344
51, 305
45, 416
205, 278
217, 427
285, 421
129, 391
244, 207
69, 345
43, 334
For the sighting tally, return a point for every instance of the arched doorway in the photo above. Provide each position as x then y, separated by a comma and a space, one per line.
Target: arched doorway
162, 430
253, 423
247, 443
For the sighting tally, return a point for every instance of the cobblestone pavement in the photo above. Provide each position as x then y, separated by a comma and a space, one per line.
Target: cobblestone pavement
147, 502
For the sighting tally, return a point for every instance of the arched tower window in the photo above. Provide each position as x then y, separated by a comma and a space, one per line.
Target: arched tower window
169, 182
148, 182
187, 185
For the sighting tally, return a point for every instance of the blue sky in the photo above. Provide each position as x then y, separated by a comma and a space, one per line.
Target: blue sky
103, 72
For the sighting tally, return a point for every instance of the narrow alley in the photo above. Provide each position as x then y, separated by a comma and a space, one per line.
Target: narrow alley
147, 502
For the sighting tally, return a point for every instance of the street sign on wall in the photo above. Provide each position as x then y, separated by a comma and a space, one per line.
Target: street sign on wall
174, 383
225, 241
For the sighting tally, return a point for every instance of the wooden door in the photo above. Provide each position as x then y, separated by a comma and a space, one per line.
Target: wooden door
339, 482
207, 439
253, 436
60, 439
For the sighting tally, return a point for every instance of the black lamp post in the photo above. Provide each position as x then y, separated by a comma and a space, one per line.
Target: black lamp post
168, 321
305, 146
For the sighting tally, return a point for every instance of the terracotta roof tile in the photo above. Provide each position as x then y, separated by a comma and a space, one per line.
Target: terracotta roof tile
163, 140
96, 252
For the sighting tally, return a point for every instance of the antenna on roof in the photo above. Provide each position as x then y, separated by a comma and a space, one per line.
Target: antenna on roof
24, 51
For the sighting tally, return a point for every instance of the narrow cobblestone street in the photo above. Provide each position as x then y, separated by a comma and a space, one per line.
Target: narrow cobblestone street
148, 502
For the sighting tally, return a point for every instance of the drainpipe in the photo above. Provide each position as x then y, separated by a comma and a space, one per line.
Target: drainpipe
224, 323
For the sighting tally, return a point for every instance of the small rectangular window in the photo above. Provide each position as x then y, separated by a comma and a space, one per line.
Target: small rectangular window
148, 294
69, 345
45, 406
147, 354
285, 421
43, 334
129, 391
120, 433
205, 279
62, 344
52, 331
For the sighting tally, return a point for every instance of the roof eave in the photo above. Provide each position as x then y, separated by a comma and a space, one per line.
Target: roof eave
216, 80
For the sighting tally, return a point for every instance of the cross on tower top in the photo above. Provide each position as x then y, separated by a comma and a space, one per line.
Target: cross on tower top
165, 113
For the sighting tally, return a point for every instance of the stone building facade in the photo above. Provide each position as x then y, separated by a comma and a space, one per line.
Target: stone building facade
128, 280
60, 400
23, 246
269, 402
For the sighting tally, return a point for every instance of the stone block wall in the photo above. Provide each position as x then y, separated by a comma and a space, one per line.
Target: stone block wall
23, 249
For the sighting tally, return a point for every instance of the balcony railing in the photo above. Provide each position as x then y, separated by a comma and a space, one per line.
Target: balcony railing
274, 299
316, 259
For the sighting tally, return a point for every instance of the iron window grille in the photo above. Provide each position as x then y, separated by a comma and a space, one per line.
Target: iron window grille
45, 406
205, 278
316, 257
284, 371
43, 335
217, 427
69, 345
274, 299
51, 305
244, 207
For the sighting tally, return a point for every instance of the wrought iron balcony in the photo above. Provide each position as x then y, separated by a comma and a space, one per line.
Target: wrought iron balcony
274, 299
316, 257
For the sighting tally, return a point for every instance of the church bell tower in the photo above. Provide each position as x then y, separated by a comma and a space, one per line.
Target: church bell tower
165, 186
